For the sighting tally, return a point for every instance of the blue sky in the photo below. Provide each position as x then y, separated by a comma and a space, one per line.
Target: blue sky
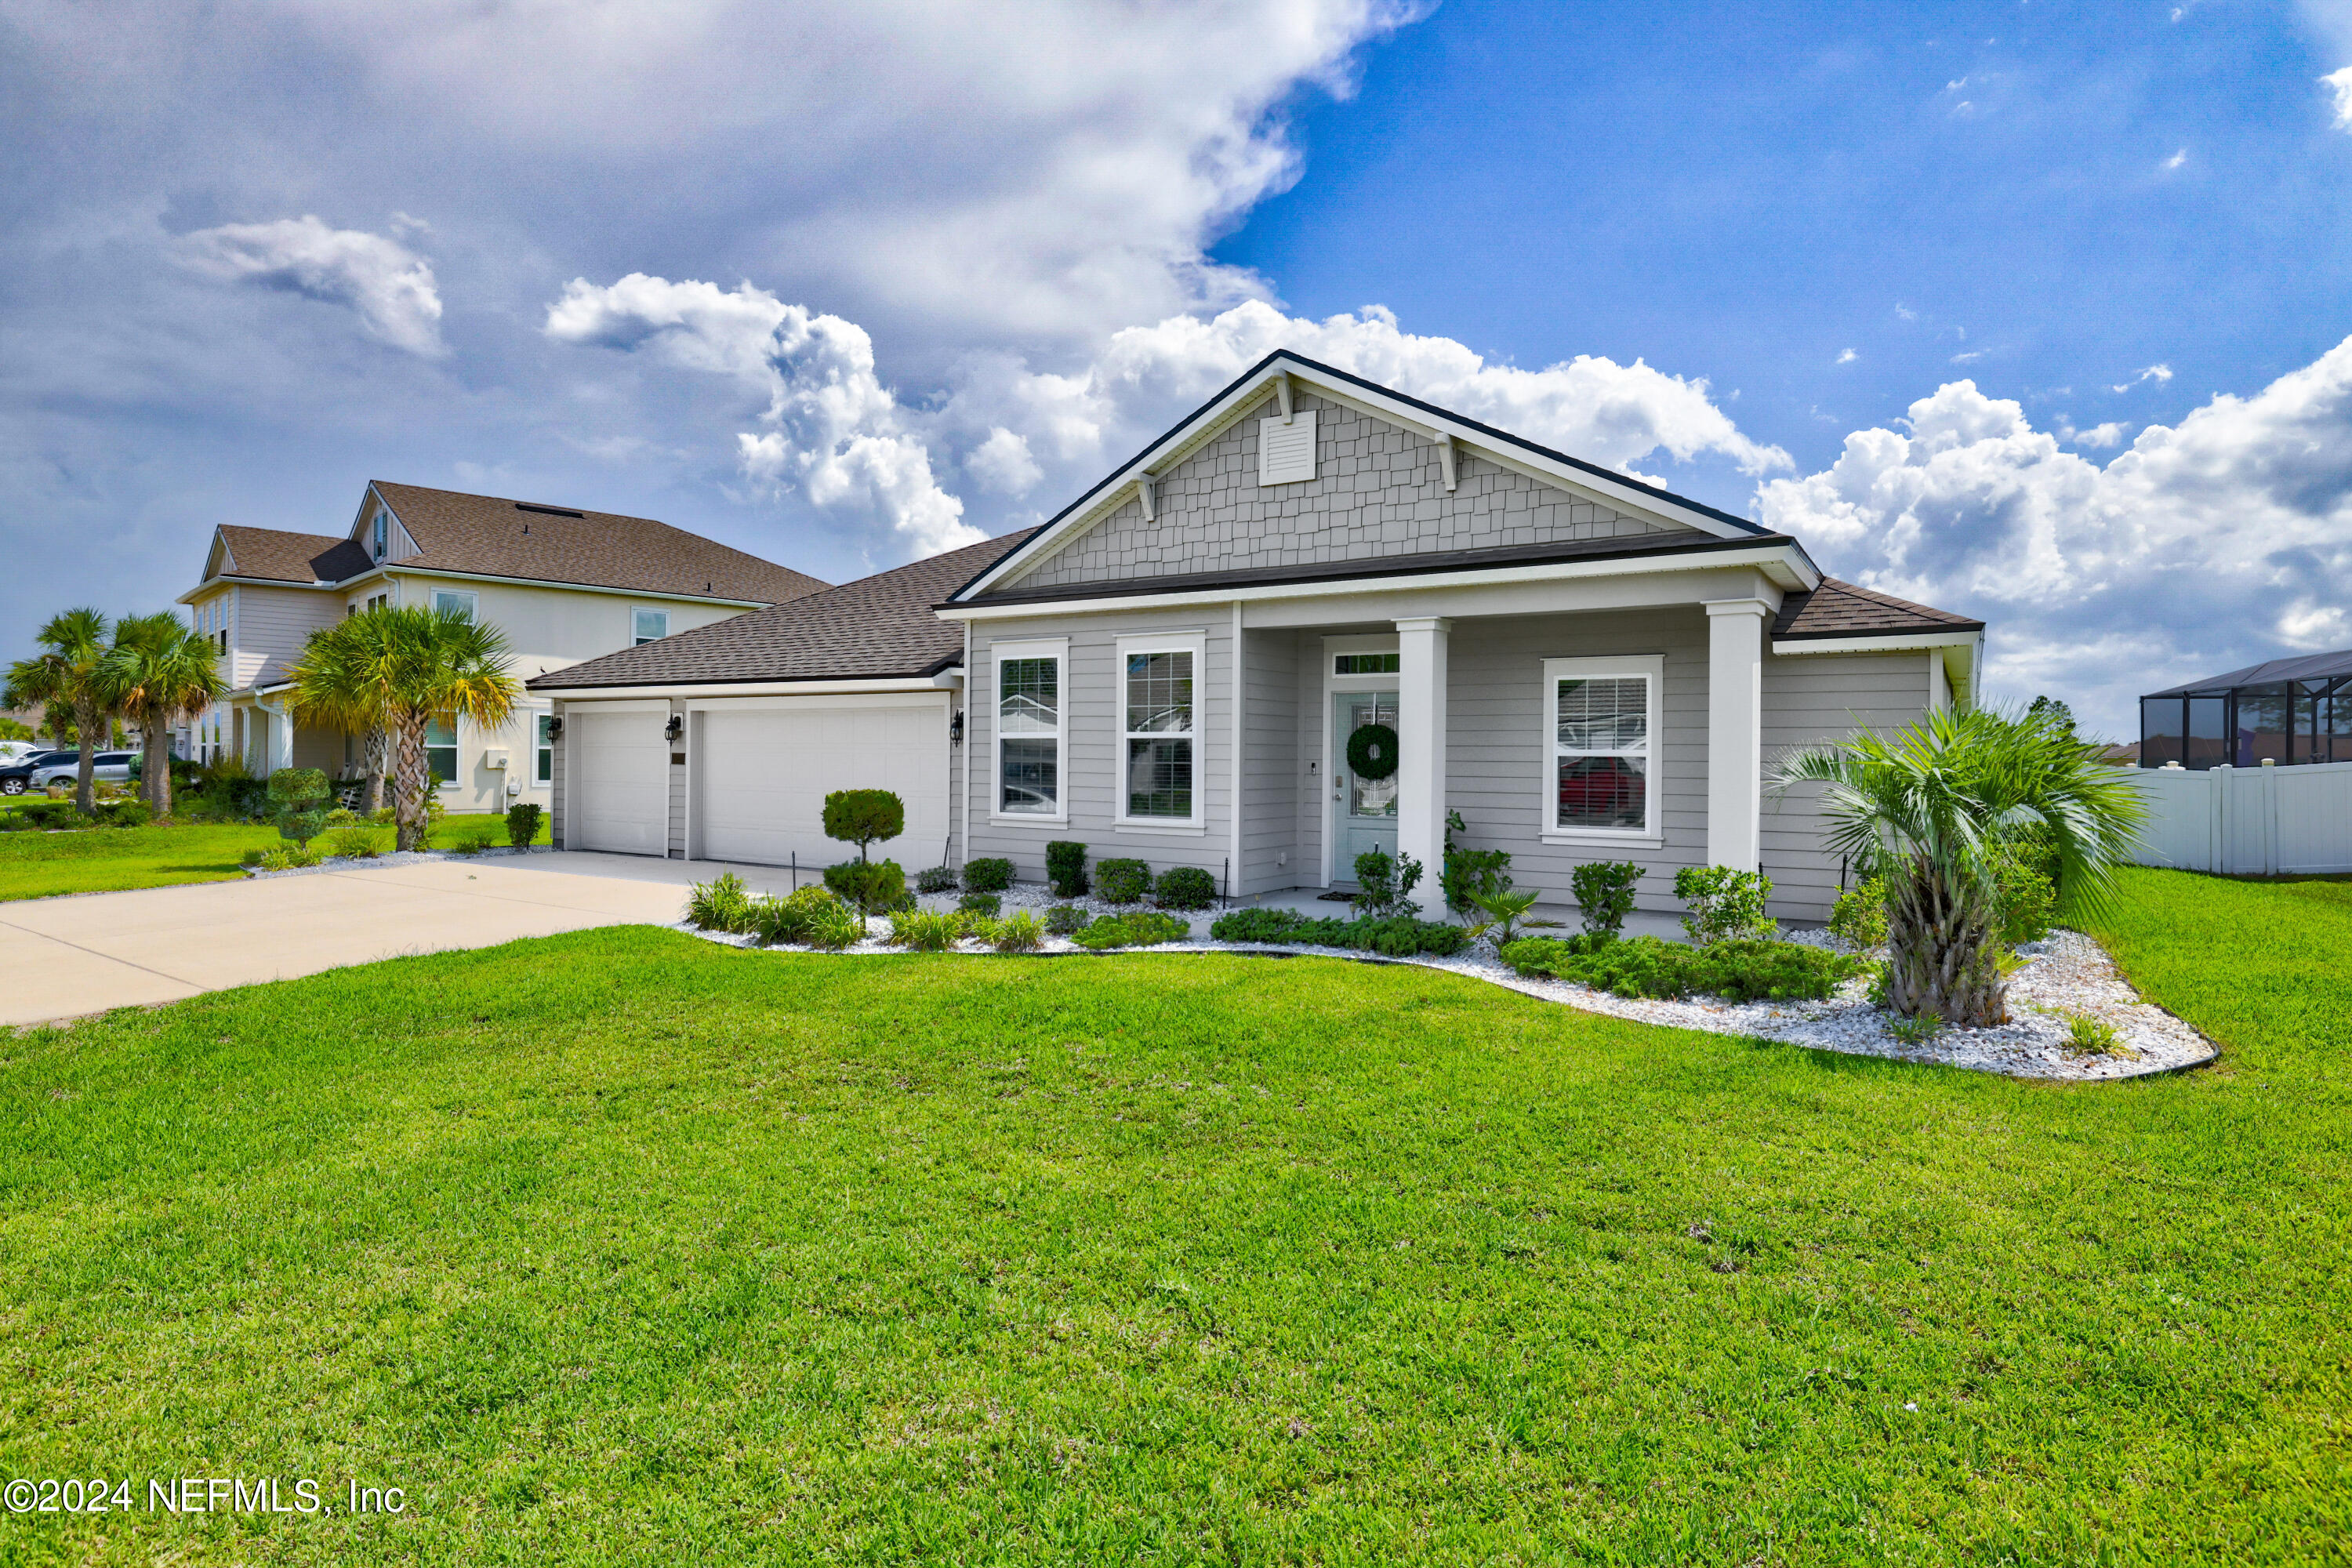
2034, 311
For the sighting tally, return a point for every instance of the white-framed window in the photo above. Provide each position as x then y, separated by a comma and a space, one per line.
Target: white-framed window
1601, 720
1159, 677
380, 535
542, 736
1032, 731
1387, 663
445, 600
649, 625
441, 753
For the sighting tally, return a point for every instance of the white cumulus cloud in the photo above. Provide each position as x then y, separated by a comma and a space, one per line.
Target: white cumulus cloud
834, 431
2339, 84
2158, 374
388, 284
1003, 464
2216, 542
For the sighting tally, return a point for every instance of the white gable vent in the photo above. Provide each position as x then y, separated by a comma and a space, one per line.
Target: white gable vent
1286, 452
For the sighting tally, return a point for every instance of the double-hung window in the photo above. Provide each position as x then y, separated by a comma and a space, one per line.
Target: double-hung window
1160, 761
1601, 723
1030, 728
448, 601
441, 752
542, 766
650, 625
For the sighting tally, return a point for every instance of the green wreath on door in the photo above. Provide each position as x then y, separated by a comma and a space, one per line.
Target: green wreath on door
1372, 751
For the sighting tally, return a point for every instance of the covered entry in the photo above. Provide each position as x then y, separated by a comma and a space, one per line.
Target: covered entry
763, 766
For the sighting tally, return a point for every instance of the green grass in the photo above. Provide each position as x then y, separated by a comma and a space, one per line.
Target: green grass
103, 860
632, 1249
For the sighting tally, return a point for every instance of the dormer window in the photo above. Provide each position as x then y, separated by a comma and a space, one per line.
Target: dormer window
380, 535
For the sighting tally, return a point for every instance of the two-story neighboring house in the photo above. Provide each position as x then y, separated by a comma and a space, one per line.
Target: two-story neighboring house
564, 585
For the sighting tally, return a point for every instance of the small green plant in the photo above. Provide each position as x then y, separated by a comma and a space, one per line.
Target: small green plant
1065, 919
1881, 994
1066, 867
351, 843
252, 857
1018, 932
989, 874
989, 904
1122, 881
474, 837
1860, 915
1726, 904
1145, 928
936, 880
925, 931
1917, 1032
1384, 885
1184, 888
2024, 901
126, 814
801, 918
2095, 1036
1503, 911
1467, 875
862, 817
522, 823
1603, 891
298, 803
869, 887
280, 858
721, 904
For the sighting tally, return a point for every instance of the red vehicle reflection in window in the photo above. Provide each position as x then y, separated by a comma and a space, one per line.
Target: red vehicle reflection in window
1603, 792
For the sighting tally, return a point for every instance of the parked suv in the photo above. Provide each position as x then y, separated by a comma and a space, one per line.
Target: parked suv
16, 777
65, 767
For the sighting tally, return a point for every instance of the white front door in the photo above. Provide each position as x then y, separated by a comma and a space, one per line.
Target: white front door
1363, 809
620, 785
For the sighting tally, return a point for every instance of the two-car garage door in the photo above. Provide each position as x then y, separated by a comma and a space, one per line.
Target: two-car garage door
759, 771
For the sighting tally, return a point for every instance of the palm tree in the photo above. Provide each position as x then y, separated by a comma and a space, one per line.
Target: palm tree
405, 669
68, 675
1926, 809
159, 669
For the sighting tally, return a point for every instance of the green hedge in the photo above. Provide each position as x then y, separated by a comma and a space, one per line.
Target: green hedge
1741, 970
1142, 929
1396, 936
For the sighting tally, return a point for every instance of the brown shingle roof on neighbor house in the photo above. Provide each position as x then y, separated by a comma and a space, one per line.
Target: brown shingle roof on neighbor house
485, 536
876, 627
1838, 609
281, 557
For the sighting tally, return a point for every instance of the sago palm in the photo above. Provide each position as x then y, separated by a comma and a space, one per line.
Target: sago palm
67, 674
159, 669
1928, 807
403, 669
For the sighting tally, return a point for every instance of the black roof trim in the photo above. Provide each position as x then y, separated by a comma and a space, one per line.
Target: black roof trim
1468, 423
1855, 634
1616, 549
549, 511
553, 679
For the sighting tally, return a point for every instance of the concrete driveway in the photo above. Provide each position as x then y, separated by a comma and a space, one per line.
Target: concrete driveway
60, 958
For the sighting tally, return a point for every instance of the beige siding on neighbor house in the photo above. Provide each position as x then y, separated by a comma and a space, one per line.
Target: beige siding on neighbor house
272, 623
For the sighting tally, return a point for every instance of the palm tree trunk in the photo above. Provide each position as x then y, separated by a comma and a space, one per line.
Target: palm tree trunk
1941, 948
409, 781
155, 768
371, 799
93, 739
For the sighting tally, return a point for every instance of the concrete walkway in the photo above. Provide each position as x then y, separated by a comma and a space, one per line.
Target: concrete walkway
60, 958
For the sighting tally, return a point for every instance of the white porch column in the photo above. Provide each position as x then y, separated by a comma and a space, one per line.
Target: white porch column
278, 746
1735, 731
1421, 747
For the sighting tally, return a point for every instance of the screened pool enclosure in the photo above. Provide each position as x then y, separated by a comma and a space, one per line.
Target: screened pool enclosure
2288, 710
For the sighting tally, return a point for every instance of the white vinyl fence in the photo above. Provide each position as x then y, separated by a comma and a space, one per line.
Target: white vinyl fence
2249, 821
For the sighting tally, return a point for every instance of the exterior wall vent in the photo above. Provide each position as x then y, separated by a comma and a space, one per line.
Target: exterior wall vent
1286, 448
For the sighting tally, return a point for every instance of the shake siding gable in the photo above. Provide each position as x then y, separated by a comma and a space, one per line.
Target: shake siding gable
1379, 491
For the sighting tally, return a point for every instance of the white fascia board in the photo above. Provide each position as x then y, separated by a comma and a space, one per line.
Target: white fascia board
391, 569
231, 580
944, 681
1764, 557
1909, 642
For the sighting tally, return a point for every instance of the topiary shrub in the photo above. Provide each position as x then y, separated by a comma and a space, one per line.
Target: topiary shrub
298, 803
1122, 881
864, 816
1185, 887
1859, 915
1603, 891
988, 875
522, 823
936, 880
1142, 929
1065, 919
1066, 867
871, 887
988, 904
1726, 904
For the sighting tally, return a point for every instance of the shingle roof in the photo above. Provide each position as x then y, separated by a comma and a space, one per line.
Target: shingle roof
282, 557
1838, 609
876, 627
2271, 672
486, 535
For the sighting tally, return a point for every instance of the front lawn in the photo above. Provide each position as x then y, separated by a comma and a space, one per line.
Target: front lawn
632, 1247
108, 859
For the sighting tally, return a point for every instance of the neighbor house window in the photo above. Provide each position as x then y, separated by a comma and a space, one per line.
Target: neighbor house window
652, 625
379, 536
543, 738
446, 601
1600, 724
1160, 762
441, 752
1364, 664
1029, 728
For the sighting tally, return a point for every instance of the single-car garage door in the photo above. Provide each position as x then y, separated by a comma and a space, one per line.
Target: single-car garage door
619, 788
762, 774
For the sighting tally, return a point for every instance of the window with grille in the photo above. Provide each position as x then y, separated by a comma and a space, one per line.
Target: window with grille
1600, 726
1158, 784
1029, 730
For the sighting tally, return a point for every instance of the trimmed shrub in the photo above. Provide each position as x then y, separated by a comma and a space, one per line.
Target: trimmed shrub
1018, 932
860, 816
1185, 887
1065, 919
875, 887
522, 823
14, 822
1397, 936
1860, 917
723, 904
125, 814
936, 880
1066, 867
1603, 891
298, 803
988, 875
1122, 881
1468, 875
1142, 929
1384, 885
1741, 970
1726, 905
987, 904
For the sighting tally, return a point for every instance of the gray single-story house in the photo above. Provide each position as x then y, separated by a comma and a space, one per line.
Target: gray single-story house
1312, 618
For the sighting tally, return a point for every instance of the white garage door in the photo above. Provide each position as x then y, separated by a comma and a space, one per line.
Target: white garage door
765, 771
619, 787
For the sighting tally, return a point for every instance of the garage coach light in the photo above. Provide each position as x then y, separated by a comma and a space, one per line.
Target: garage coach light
555, 727
673, 729
955, 729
